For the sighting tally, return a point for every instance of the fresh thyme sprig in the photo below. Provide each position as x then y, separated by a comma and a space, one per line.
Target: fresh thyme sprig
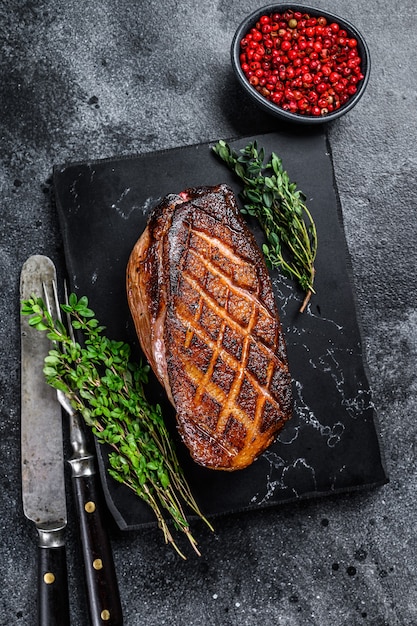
280, 208
107, 389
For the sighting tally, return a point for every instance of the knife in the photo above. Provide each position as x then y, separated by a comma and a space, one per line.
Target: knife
101, 581
42, 458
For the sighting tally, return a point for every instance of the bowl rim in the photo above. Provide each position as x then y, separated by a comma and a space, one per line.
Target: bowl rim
250, 20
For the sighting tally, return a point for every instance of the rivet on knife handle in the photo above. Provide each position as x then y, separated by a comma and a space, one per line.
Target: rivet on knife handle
53, 608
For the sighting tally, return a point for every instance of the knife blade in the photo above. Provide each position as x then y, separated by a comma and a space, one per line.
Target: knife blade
42, 458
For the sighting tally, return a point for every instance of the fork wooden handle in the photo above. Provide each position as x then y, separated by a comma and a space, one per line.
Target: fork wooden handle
102, 588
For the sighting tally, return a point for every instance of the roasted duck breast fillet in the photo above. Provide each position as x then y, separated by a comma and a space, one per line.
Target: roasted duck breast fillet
202, 302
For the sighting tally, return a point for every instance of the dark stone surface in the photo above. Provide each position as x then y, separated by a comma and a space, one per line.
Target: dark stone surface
98, 79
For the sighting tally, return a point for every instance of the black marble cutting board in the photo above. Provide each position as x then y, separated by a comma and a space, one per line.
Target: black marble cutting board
331, 444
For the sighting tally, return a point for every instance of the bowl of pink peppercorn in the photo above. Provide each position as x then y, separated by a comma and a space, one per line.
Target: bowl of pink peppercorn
301, 64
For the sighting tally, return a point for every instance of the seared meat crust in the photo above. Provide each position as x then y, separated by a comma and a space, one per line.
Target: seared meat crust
204, 311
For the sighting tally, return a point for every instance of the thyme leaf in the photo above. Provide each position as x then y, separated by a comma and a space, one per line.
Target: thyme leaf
269, 196
108, 389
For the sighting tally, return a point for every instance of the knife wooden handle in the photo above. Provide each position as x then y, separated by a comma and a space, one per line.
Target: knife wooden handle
102, 588
53, 604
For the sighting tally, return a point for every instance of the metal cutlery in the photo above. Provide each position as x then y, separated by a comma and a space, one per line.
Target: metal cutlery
42, 458
43, 480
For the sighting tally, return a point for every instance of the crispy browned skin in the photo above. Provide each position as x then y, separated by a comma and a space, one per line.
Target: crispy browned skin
204, 311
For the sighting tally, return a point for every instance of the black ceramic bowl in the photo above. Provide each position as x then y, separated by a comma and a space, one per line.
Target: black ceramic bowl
274, 109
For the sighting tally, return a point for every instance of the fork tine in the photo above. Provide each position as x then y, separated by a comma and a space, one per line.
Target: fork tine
46, 298
56, 300
69, 325
58, 306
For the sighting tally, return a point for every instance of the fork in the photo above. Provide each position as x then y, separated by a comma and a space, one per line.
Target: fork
100, 575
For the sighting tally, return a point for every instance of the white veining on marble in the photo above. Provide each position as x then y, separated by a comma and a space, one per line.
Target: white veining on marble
123, 211
284, 291
280, 477
149, 204
309, 312
307, 416
276, 467
126, 208
73, 190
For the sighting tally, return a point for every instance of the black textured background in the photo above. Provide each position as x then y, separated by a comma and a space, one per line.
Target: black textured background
83, 81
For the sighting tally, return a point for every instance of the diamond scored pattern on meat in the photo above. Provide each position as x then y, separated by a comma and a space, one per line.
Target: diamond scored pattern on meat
194, 325
225, 367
